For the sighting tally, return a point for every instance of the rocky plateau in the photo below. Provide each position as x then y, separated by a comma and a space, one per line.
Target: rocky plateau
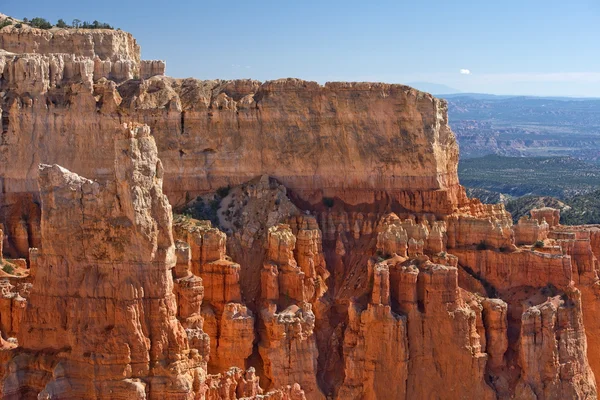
182, 239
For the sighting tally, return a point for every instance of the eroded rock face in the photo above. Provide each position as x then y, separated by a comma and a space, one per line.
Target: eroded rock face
548, 214
102, 311
343, 259
531, 231
229, 324
12, 307
115, 309
393, 354
550, 355
287, 344
57, 85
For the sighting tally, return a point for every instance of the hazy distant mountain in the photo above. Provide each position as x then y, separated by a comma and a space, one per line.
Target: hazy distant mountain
488, 96
480, 96
433, 88
525, 126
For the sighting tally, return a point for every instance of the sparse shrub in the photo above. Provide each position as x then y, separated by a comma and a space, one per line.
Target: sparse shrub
40, 23
4, 23
482, 245
328, 201
549, 290
538, 244
19, 25
9, 269
381, 256
94, 25
223, 191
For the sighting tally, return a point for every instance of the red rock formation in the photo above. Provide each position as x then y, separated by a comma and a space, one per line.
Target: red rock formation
375, 346
581, 243
390, 355
66, 82
347, 259
521, 268
552, 358
229, 323
530, 231
485, 231
496, 328
102, 318
102, 310
12, 308
550, 215
287, 345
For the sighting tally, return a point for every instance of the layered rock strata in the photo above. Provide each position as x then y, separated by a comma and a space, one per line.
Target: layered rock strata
112, 293
358, 142
342, 260
288, 345
229, 324
102, 312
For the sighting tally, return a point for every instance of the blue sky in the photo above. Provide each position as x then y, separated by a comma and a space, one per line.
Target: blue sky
536, 47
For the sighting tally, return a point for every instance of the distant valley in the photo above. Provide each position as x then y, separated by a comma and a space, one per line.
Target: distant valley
525, 126
523, 183
529, 152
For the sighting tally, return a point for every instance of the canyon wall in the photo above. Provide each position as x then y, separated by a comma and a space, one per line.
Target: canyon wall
61, 91
326, 250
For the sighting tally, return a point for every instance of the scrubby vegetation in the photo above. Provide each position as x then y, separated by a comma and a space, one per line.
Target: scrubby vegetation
577, 210
520, 207
524, 183
88, 25
206, 207
560, 177
6, 22
42, 23
585, 209
487, 196
9, 269
223, 191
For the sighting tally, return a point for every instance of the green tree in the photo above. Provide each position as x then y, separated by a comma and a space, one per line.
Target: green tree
76, 23
41, 23
62, 24
9, 269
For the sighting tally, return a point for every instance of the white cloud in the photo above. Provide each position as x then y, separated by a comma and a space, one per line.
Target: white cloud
465, 71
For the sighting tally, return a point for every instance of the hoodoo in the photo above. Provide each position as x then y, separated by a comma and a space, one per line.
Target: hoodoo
322, 246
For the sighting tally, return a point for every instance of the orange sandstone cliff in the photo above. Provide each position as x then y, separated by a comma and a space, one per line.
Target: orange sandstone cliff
342, 259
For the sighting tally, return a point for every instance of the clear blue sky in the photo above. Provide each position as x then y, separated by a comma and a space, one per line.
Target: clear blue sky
540, 47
